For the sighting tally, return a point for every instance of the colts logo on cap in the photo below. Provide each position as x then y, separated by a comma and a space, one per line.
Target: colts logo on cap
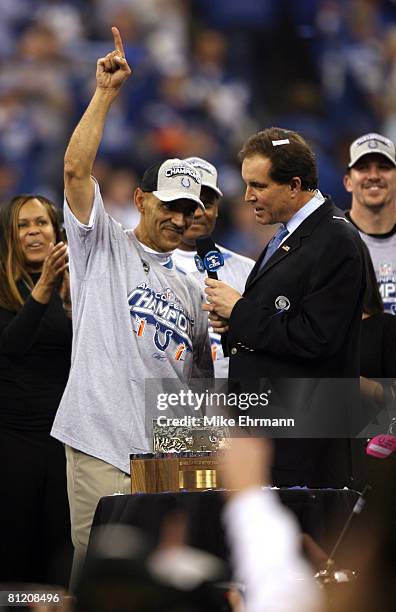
183, 170
282, 303
186, 183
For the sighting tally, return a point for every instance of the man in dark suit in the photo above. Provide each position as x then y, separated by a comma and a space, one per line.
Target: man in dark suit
300, 314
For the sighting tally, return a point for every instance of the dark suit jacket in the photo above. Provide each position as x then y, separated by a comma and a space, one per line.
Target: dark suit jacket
301, 314
300, 318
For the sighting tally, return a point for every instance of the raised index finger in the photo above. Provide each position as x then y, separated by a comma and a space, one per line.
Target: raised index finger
118, 46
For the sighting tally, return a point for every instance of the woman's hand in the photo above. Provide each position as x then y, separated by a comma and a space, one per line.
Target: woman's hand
54, 266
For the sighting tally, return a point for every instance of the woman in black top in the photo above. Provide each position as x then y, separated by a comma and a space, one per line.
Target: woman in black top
35, 350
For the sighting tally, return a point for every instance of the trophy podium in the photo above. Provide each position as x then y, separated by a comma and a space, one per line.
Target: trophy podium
184, 459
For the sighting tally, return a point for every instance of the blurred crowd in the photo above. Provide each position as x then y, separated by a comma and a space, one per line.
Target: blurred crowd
205, 75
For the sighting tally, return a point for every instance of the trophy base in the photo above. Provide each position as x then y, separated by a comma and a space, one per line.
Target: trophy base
175, 472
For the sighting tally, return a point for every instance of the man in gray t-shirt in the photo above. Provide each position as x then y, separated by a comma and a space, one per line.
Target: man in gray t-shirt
371, 179
134, 316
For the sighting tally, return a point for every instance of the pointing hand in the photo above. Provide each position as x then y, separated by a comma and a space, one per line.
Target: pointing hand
112, 70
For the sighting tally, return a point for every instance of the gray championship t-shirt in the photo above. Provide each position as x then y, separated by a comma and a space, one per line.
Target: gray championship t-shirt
383, 253
235, 271
133, 319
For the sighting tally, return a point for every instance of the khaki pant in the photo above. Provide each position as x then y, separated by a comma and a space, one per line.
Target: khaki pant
88, 479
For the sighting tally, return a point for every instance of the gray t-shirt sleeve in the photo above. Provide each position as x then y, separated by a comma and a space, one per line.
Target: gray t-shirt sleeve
90, 245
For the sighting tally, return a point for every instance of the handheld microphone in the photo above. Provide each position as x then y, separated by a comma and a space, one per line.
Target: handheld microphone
208, 257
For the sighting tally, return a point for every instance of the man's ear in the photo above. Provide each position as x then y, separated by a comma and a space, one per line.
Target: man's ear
138, 198
348, 183
295, 185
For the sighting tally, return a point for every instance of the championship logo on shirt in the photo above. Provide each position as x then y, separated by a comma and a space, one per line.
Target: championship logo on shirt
169, 295
385, 269
164, 315
387, 286
162, 337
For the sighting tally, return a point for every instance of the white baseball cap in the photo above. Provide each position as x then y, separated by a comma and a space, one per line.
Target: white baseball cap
173, 179
208, 173
371, 143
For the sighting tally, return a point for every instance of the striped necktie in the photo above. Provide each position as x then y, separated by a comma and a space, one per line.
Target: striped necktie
274, 243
